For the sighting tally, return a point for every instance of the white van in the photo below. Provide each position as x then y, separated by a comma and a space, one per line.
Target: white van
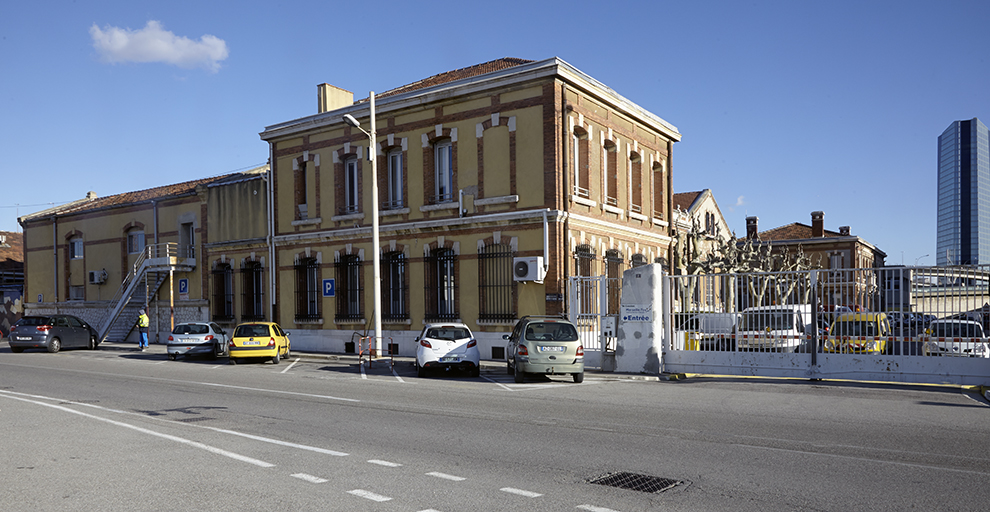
775, 328
708, 331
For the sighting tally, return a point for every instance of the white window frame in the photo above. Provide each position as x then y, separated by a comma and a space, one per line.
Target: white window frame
443, 163
135, 241
395, 160
76, 248
351, 197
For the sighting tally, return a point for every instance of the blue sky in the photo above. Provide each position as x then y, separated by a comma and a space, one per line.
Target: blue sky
786, 107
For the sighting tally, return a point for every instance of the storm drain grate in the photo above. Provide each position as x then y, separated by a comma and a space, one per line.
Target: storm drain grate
635, 482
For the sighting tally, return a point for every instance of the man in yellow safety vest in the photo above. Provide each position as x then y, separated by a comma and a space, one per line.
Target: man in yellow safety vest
142, 324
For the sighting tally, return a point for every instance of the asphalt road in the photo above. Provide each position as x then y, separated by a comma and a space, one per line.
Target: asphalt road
117, 429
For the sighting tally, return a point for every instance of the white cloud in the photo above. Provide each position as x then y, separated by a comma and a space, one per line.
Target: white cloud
739, 201
155, 44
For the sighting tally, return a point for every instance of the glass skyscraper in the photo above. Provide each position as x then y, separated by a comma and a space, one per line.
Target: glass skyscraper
963, 194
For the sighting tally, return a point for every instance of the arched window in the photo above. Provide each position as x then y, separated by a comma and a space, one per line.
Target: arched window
135, 241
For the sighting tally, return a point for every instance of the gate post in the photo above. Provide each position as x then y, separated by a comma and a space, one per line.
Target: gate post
640, 321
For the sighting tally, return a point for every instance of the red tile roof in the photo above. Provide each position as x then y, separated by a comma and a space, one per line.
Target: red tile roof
12, 251
684, 200
457, 74
793, 231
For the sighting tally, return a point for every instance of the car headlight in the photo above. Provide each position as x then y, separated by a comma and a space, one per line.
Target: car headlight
980, 349
931, 347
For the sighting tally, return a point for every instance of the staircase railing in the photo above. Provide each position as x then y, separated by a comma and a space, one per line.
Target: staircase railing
116, 305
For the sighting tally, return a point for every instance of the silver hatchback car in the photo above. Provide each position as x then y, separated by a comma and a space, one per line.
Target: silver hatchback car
191, 338
544, 345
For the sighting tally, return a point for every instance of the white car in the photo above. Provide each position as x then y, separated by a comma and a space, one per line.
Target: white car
959, 338
447, 346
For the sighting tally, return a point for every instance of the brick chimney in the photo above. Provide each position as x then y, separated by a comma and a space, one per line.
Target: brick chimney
752, 227
844, 230
817, 224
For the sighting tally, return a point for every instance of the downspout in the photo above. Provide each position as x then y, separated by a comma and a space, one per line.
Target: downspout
271, 231
158, 327
55, 260
563, 243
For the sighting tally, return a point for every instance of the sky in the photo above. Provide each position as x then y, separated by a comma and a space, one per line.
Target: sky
785, 107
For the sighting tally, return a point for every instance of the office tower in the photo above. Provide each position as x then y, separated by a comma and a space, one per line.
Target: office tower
963, 194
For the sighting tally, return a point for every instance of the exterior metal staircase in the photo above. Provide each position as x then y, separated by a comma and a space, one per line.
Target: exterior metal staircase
155, 258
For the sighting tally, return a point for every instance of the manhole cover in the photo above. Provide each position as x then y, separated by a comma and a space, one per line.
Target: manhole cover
635, 482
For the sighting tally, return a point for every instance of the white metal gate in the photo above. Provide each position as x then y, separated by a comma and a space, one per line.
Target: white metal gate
593, 305
887, 324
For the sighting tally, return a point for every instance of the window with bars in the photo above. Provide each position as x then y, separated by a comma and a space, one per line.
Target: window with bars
441, 285
613, 272
584, 266
496, 287
308, 291
253, 292
348, 274
223, 293
395, 298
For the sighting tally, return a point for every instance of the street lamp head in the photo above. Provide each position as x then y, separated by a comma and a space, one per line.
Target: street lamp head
349, 119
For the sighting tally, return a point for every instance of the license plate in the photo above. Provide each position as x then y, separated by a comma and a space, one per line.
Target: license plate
246, 343
448, 359
189, 340
22, 338
551, 349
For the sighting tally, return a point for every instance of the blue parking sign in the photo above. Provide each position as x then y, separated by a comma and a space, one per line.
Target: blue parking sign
183, 286
329, 288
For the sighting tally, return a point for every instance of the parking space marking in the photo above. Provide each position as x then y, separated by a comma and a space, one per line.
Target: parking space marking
369, 495
310, 478
499, 384
385, 463
592, 508
397, 375
287, 368
446, 476
520, 492
363, 375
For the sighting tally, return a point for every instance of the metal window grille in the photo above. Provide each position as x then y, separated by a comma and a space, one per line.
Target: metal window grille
441, 285
349, 291
223, 293
253, 292
638, 260
308, 290
613, 270
584, 266
395, 299
497, 288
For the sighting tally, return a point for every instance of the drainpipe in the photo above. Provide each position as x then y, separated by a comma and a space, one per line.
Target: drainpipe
158, 327
567, 222
271, 232
55, 260
546, 242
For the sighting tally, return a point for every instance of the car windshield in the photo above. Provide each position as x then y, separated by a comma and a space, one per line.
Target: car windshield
448, 333
763, 320
551, 331
854, 328
956, 330
248, 331
191, 329
33, 320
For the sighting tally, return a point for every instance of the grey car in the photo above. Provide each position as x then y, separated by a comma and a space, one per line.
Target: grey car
544, 345
51, 332
192, 338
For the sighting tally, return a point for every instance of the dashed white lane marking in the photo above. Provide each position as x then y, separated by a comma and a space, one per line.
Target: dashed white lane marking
194, 444
368, 495
287, 368
310, 478
385, 463
592, 508
430, 510
446, 476
520, 492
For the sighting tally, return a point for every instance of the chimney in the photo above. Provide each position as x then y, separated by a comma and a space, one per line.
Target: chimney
330, 98
844, 230
817, 224
752, 227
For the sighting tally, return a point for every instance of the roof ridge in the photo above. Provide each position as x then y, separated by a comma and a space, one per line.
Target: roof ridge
455, 74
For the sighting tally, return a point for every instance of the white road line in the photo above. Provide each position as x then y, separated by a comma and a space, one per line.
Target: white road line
142, 430
368, 495
446, 476
363, 375
160, 362
397, 376
520, 492
310, 478
430, 510
287, 368
328, 397
592, 508
499, 384
385, 463
276, 441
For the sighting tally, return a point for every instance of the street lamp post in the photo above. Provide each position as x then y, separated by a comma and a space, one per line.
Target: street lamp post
375, 250
916, 260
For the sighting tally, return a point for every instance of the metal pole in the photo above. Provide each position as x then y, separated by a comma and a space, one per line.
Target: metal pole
375, 249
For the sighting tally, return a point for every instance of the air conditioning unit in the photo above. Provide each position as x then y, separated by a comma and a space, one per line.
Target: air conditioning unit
97, 276
528, 268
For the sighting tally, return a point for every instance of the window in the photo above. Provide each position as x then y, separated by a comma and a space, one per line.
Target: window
351, 186
610, 168
76, 248
348, 292
443, 163
496, 287
394, 184
223, 293
579, 162
441, 285
252, 291
77, 293
584, 266
135, 241
659, 198
308, 289
613, 271
636, 183
301, 191
394, 299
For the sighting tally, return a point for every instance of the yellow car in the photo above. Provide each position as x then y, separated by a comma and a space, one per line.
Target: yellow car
858, 333
259, 340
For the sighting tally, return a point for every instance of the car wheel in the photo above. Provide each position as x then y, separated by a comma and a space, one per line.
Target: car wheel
92, 343
54, 345
420, 371
519, 375
578, 378
232, 361
276, 358
171, 357
288, 354
17, 350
